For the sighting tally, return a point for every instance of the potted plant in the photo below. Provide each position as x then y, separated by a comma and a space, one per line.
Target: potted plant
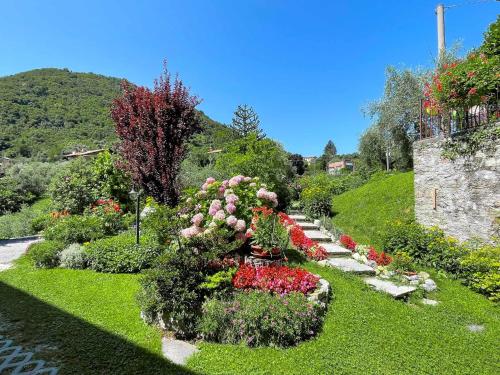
269, 238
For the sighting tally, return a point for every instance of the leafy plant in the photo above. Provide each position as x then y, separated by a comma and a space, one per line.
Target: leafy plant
260, 319
45, 254
120, 253
402, 262
267, 231
76, 229
73, 256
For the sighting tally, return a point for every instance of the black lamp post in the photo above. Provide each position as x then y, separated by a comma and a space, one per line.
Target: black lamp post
136, 195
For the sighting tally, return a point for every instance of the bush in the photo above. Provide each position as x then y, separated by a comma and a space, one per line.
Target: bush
76, 229
12, 197
162, 222
81, 182
481, 268
32, 177
428, 246
45, 254
73, 257
26, 222
177, 286
402, 262
120, 254
260, 319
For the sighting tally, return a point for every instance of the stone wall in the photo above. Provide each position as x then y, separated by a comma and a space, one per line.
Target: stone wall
462, 197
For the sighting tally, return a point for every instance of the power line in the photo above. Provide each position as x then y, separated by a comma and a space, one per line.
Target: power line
470, 2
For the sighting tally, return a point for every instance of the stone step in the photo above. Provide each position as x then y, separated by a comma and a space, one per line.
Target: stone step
335, 250
308, 226
349, 265
298, 218
316, 235
386, 286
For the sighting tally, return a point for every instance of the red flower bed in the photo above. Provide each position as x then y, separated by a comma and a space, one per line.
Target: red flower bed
347, 242
381, 259
277, 279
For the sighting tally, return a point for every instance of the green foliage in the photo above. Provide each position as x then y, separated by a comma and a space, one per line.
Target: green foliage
482, 270
46, 112
491, 43
28, 221
220, 283
45, 254
467, 145
365, 213
73, 256
269, 233
402, 262
162, 222
260, 319
76, 229
246, 121
120, 253
12, 197
261, 158
32, 177
319, 189
81, 182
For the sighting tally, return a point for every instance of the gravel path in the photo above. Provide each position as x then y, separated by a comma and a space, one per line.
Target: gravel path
10, 250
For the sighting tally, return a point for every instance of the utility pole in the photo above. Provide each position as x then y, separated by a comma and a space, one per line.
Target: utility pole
440, 29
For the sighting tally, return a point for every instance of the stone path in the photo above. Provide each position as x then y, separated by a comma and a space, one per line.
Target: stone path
10, 250
14, 360
177, 351
341, 258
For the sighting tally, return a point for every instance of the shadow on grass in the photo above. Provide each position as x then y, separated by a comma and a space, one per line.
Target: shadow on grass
71, 344
295, 256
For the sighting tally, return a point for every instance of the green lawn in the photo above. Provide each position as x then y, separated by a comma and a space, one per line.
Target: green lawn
364, 212
91, 324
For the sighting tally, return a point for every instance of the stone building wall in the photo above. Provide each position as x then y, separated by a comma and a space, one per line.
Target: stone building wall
462, 197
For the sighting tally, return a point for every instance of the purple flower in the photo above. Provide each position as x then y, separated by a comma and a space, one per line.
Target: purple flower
197, 219
231, 208
240, 226
220, 215
231, 221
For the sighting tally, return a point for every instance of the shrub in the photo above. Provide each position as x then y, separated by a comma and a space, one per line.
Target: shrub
162, 222
76, 229
12, 197
277, 279
45, 254
402, 262
428, 246
260, 319
175, 288
73, 257
25, 222
110, 214
120, 254
481, 268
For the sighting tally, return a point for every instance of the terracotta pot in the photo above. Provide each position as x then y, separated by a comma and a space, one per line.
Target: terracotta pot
259, 252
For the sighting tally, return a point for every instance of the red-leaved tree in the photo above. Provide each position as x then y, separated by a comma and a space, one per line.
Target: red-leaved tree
153, 126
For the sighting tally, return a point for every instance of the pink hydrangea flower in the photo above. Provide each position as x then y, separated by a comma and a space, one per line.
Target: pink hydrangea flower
240, 226
220, 215
253, 184
234, 181
191, 231
232, 198
212, 211
225, 183
197, 219
261, 193
247, 179
216, 205
201, 194
231, 221
231, 208
204, 187
210, 180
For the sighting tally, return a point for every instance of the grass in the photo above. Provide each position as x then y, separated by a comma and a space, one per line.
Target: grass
18, 224
363, 213
92, 321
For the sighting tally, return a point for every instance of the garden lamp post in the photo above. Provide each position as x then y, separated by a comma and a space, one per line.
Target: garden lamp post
136, 195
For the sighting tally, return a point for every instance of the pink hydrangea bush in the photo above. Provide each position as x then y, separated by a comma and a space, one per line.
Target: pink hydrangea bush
225, 204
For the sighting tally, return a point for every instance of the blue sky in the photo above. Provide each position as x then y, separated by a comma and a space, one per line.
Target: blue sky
307, 67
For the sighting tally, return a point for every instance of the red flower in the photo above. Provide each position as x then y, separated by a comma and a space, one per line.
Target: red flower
472, 91
347, 242
471, 74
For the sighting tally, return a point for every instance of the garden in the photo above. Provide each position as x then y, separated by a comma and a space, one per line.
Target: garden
164, 238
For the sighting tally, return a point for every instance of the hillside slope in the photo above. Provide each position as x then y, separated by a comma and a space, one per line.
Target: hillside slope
46, 112
364, 212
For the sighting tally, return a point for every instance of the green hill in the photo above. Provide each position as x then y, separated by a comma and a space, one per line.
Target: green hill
46, 112
364, 212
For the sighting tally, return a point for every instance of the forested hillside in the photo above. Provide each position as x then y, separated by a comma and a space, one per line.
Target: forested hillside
47, 112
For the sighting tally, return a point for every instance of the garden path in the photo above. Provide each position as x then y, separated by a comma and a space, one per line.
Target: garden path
340, 258
10, 250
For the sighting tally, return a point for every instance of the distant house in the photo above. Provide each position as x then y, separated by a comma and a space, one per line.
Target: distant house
337, 166
76, 154
310, 159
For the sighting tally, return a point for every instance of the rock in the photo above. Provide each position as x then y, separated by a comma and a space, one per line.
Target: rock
317, 223
321, 294
429, 285
350, 265
396, 291
177, 351
371, 263
414, 282
424, 275
475, 327
430, 302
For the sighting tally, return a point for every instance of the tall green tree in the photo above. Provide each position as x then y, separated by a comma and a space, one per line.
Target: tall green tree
246, 121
